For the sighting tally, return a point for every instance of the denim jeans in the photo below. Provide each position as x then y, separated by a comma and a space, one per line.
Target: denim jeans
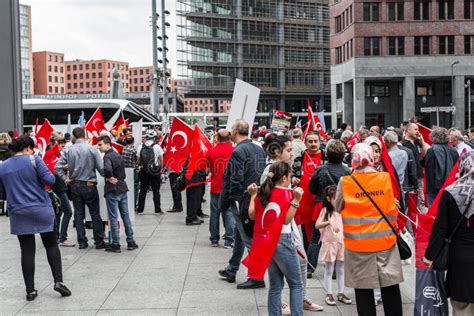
136, 187
313, 250
118, 203
241, 241
67, 214
83, 195
285, 263
227, 218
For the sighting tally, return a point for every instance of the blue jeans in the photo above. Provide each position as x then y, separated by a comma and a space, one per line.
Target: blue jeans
118, 202
241, 242
227, 218
285, 263
67, 214
83, 195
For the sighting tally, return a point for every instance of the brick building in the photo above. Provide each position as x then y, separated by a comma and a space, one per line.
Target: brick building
390, 59
49, 73
94, 76
140, 79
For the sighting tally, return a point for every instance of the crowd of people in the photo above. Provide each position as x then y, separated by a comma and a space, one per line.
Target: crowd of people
333, 200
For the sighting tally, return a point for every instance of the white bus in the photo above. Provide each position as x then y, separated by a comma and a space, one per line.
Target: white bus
56, 111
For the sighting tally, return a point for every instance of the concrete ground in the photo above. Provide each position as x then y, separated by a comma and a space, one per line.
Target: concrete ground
174, 272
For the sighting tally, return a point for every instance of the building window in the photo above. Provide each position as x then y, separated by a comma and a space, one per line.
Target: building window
61, 69
339, 91
87, 75
50, 89
468, 41
396, 45
141, 71
68, 68
55, 68
421, 10
50, 68
446, 45
371, 46
93, 75
50, 58
62, 88
81, 85
379, 89
56, 58
395, 11
56, 89
446, 9
424, 89
75, 85
371, 11
69, 86
81, 67
100, 83
93, 66
99, 65
81, 76
88, 85
94, 84
100, 74
87, 66
422, 45
74, 67
50, 79
447, 88
468, 8
61, 80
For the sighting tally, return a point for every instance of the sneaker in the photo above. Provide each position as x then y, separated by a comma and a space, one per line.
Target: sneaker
175, 210
67, 243
228, 245
330, 300
159, 212
132, 245
309, 275
341, 297
84, 246
310, 306
31, 296
214, 244
113, 248
102, 245
285, 309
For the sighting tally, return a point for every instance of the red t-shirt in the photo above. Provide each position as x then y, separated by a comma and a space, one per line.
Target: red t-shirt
218, 156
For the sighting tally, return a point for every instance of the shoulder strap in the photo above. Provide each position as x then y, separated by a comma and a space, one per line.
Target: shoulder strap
373, 202
330, 177
458, 223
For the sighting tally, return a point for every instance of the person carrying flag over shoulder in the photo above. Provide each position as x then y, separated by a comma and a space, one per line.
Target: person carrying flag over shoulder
273, 207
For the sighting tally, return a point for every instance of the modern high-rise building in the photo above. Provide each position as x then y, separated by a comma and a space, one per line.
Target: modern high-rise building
26, 50
49, 71
397, 60
280, 46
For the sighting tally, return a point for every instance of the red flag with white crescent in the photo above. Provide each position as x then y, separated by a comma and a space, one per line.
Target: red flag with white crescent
319, 127
200, 146
51, 156
311, 124
43, 135
269, 221
178, 145
96, 122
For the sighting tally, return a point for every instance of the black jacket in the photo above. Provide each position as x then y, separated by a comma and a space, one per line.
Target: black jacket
298, 163
245, 167
439, 161
326, 175
411, 180
114, 167
416, 155
4, 152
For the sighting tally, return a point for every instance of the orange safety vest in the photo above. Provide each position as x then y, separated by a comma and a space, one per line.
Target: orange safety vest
365, 230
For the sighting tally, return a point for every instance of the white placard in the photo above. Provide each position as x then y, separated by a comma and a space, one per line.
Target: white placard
244, 104
137, 130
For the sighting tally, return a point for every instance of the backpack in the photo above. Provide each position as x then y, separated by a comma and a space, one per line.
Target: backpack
147, 159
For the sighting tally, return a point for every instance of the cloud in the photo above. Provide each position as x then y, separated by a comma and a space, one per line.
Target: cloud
105, 29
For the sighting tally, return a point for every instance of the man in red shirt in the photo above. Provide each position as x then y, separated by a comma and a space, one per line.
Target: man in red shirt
217, 159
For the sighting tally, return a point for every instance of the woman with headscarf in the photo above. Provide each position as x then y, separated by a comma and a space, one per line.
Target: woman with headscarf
456, 206
372, 259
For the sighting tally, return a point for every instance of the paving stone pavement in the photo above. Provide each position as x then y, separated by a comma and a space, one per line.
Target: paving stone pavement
174, 272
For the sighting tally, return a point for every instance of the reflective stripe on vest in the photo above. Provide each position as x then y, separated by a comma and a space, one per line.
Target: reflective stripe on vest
358, 236
365, 230
367, 220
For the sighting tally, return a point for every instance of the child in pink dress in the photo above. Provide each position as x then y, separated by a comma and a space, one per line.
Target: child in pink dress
332, 246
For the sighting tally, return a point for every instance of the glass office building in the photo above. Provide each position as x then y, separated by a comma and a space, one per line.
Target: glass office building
280, 46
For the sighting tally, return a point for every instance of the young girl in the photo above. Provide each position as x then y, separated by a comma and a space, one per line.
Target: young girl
332, 248
267, 203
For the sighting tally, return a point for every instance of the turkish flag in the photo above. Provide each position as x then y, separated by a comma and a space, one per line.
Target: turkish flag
96, 122
120, 124
43, 135
51, 156
425, 132
319, 127
311, 125
354, 140
269, 220
178, 145
199, 149
117, 147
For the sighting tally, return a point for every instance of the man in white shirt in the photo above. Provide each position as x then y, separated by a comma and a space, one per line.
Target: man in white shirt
457, 139
150, 158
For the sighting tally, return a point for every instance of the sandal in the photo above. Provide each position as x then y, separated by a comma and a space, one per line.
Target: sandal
341, 297
330, 300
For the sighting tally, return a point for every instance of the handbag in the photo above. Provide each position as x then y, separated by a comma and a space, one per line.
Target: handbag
403, 248
55, 202
441, 261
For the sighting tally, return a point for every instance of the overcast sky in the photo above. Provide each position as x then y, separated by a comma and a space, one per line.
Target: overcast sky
100, 29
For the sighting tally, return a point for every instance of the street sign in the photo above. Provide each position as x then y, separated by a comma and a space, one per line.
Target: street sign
447, 108
428, 110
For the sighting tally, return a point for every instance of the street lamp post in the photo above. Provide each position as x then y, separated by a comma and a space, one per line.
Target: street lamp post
154, 89
468, 86
452, 88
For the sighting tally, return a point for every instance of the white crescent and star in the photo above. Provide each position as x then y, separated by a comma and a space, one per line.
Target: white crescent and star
272, 206
183, 135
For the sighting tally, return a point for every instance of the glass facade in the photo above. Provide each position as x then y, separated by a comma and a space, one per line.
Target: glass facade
25, 50
280, 46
